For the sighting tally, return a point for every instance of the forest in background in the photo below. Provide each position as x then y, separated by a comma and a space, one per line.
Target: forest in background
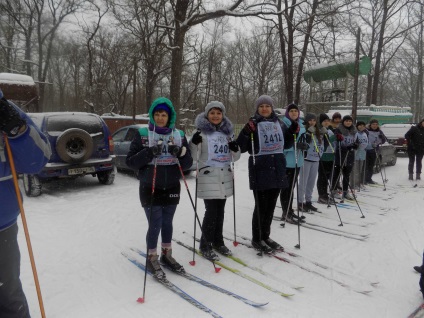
117, 56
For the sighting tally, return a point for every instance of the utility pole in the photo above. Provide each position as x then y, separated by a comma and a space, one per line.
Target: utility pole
356, 77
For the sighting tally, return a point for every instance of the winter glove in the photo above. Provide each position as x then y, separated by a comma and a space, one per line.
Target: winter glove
249, 128
155, 150
196, 139
302, 146
233, 146
311, 130
177, 151
10, 120
339, 137
350, 148
355, 145
323, 130
294, 128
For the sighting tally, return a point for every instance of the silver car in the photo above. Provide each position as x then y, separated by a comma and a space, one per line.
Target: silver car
122, 139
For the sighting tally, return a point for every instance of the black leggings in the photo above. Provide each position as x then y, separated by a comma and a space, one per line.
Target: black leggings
266, 201
417, 159
213, 222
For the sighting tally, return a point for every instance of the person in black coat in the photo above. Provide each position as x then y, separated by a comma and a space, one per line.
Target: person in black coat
415, 138
267, 166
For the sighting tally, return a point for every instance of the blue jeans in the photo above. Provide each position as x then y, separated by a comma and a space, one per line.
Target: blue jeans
160, 221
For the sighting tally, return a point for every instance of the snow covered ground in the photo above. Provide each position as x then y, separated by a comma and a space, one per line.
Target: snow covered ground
79, 230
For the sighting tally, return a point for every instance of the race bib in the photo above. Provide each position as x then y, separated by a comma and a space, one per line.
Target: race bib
271, 138
165, 158
218, 150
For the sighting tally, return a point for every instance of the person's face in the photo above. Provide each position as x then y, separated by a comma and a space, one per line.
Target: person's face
161, 118
361, 127
337, 120
265, 110
422, 124
312, 122
215, 116
347, 123
374, 125
325, 123
293, 114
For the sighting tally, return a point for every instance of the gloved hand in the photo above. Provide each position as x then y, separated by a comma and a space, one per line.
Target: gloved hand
294, 128
196, 139
10, 120
355, 145
302, 146
155, 150
349, 148
323, 130
311, 130
177, 151
233, 146
339, 137
250, 127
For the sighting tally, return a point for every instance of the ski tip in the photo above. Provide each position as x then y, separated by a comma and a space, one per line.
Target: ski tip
140, 300
235, 243
192, 263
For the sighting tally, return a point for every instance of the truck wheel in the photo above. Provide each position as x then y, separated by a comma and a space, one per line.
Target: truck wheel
74, 145
32, 185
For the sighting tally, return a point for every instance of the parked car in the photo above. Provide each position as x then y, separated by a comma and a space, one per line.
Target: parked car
81, 144
395, 134
386, 156
122, 139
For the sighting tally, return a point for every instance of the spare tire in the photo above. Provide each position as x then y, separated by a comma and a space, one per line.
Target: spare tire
74, 145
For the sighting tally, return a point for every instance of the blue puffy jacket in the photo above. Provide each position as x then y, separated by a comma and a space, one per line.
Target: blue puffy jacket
290, 153
31, 151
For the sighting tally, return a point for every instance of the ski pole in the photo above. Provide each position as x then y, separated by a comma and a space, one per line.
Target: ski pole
297, 194
193, 262
284, 219
217, 269
323, 169
141, 299
25, 225
379, 164
235, 243
357, 203
255, 191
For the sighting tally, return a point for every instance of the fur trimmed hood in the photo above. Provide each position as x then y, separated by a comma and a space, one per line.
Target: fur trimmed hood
347, 131
202, 123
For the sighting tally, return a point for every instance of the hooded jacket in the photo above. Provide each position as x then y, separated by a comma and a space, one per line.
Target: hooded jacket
214, 182
141, 159
415, 138
31, 151
343, 153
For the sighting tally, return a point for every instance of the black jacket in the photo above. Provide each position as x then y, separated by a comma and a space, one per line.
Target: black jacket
415, 138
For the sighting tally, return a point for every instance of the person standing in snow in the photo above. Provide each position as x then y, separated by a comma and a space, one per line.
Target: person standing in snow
327, 159
357, 179
308, 173
267, 166
213, 144
294, 161
375, 138
335, 120
415, 139
31, 151
156, 153
344, 155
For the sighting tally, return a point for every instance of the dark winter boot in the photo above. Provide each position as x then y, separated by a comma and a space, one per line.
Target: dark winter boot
311, 207
153, 266
222, 249
167, 259
411, 176
274, 245
208, 253
262, 246
418, 176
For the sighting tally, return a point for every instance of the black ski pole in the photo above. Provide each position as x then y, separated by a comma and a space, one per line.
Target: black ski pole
141, 299
357, 203
284, 219
255, 192
193, 262
235, 243
297, 195
379, 165
325, 173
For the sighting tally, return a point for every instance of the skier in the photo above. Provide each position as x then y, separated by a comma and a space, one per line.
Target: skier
267, 166
335, 120
308, 173
344, 155
357, 178
156, 153
31, 151
294, 162
213, 144
415, 139
327, 158
375, 138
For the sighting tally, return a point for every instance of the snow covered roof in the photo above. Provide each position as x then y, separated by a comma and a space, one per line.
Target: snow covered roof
17, 79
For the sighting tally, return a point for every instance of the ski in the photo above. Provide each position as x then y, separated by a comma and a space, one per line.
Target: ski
418, 313
290, 261
209, 285
312, 227
337, 230
236, 271
175, 289
256, 269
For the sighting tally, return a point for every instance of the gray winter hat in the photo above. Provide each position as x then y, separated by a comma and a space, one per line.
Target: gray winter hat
264, 99
214, 104
310, 116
